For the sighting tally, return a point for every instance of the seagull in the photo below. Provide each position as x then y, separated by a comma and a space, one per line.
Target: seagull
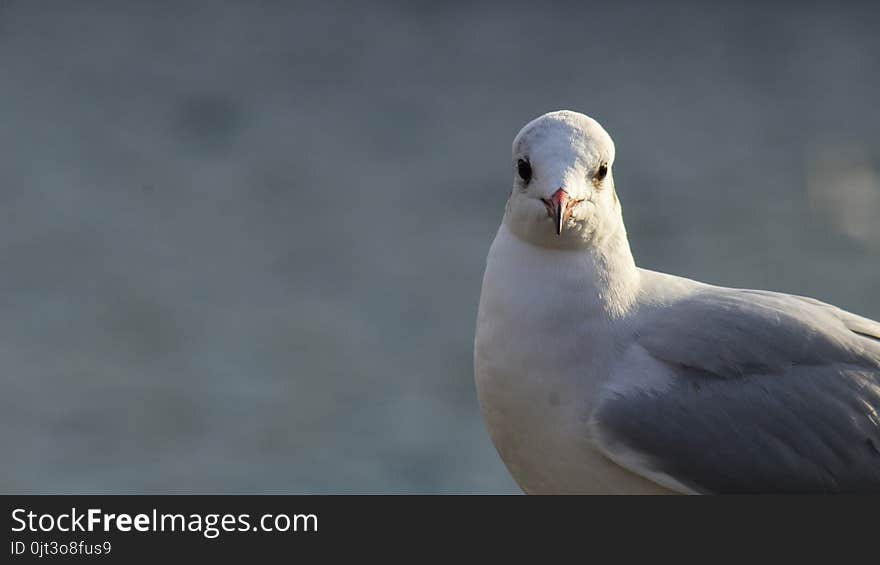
595, 376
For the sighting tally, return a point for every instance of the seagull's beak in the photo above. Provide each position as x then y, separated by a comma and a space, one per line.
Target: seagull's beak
559, 208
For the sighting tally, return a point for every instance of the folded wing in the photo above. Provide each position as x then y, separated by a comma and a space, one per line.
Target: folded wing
767, 393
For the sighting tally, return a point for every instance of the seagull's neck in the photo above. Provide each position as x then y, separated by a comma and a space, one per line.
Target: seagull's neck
603, 276
611, 269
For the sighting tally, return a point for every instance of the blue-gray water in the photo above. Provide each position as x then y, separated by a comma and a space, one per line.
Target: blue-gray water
241, 244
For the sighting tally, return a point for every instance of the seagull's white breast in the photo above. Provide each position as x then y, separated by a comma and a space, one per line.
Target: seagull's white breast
542, 354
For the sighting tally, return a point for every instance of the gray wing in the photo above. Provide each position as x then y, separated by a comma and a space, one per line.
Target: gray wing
770, 393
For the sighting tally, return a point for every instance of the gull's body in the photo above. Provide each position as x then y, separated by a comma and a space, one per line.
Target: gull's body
595, 376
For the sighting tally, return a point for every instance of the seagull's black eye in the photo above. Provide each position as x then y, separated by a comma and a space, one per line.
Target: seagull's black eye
602, 171
524, 169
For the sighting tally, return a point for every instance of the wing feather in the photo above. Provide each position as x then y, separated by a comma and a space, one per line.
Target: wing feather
770, 393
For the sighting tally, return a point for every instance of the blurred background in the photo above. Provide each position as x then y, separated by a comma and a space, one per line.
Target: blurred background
241, 243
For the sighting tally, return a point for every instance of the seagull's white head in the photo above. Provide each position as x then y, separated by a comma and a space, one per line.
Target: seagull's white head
563, 189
